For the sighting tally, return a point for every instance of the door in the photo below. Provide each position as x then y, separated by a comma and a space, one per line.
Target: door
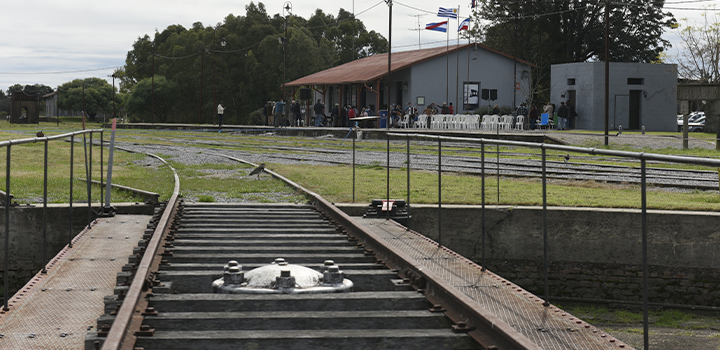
634, 109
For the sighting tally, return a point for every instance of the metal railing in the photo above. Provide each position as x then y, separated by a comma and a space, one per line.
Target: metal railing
8, 194
641, 156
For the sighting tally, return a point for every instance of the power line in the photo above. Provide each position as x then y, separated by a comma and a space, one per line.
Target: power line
61, 72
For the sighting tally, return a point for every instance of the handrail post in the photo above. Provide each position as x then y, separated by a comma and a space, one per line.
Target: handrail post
439, 192
45, 182
545, 238
102, 202
87, 176
482, 172
353, 166
389, 206
407, 204
72, 161
6, 273
644, 251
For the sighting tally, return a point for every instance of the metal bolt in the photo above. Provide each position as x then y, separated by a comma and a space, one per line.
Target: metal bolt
333, 275
285, 280
233, 276
278, 261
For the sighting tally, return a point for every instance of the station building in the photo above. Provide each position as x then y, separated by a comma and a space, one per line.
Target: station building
454, 74
641, 94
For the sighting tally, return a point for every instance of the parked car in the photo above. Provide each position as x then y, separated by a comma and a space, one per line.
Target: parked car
693, 118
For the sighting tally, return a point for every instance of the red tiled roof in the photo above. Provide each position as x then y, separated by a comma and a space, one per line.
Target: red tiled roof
375, 67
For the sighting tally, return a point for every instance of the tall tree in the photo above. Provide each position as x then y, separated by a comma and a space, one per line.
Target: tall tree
699, 60
152, 103
562, 31
93, 95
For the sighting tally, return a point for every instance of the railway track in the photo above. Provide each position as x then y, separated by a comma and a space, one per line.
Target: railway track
380, 312
388, 287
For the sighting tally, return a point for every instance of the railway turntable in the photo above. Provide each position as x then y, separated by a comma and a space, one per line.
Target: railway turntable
378, 286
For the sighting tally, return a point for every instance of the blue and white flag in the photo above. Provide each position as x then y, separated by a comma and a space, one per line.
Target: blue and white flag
464, 25
439, 26
448, 12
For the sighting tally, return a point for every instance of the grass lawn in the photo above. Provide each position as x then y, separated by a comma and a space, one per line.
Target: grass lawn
332, 182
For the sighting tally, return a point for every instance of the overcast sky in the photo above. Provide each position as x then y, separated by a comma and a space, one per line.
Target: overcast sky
53, 42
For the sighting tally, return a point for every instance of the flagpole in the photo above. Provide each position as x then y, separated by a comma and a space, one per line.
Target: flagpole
447, 62
457, 63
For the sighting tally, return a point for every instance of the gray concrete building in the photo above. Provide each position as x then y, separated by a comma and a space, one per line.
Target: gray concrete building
641, 94
455, 74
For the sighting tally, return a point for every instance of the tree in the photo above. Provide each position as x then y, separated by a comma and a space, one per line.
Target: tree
562, 31
92, 95
248, 70
152, 105
700, 58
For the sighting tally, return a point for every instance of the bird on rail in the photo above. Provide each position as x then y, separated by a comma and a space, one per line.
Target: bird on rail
567, 158
257, 171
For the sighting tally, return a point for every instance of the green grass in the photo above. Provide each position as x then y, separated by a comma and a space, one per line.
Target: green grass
228, 181
677, 319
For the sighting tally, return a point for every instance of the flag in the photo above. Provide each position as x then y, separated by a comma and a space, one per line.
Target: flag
464, 25
439, 26
449, 12
473, 3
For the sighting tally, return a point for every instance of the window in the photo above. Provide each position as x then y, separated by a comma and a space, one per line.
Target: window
571, 81
635, 81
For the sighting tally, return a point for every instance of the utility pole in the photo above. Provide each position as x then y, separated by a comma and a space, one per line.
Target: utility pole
607, 68
287, 11
387, 103
419, 27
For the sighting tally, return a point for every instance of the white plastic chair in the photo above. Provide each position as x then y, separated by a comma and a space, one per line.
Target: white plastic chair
404, 122
520, 122
421, 122
485, 123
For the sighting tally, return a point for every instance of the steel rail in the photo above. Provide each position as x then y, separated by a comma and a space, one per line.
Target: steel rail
624, 154
491, 330
46, 138
120, 329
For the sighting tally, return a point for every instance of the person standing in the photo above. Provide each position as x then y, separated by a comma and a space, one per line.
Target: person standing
319, 109
445, 109
562, 115
496, 110
549, 110
221, 111
335, 115
279, 110
351, 114
297, 113
451, 108
267, 111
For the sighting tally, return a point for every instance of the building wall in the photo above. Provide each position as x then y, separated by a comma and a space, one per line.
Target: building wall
656, 95
491, 70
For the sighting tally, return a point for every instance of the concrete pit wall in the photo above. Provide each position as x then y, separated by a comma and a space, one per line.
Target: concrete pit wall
593, 253
26, 235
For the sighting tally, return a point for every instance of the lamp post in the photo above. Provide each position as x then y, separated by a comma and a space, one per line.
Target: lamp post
287, 11
388, 118
222, 43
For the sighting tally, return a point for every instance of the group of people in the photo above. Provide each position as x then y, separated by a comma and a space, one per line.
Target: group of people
343, 116
283, 114
566, 114
397, 112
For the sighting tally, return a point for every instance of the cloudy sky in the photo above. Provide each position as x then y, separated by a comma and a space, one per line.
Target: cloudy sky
54, 42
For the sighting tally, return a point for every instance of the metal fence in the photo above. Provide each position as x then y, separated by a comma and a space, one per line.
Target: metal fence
641, 156
8, 194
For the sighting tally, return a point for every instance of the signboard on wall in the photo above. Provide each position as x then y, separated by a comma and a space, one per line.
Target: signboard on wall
471, 95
